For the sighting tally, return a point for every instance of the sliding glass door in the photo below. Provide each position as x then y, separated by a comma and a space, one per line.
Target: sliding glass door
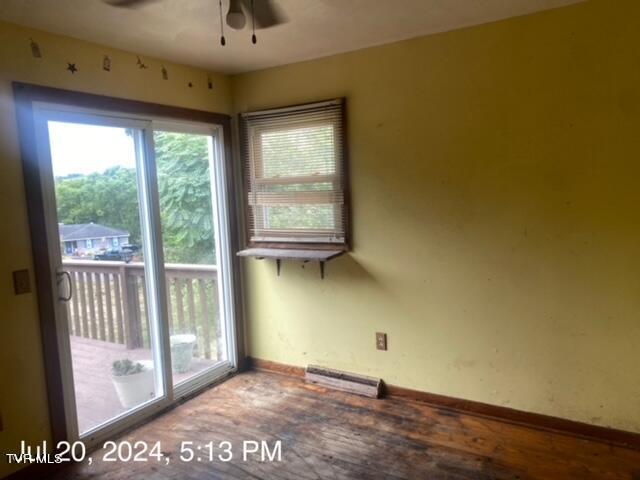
113, 324
137, 208
192, 212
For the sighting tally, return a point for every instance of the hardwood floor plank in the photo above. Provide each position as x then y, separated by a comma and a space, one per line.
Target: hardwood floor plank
328, 434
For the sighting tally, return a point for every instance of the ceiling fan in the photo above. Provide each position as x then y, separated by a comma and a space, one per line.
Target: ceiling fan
262, 13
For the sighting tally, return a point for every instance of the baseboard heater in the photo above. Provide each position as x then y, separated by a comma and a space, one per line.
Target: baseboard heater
347, 382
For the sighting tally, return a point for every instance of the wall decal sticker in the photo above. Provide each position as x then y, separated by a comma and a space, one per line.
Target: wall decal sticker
140, 64
165, 74
209, 83
190, 85
35, 49
72, 67
106, 63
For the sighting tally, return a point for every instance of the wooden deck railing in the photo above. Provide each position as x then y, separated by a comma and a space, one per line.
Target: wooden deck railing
109, 303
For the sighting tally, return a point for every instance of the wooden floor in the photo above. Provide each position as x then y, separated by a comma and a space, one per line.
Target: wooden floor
96, 397
334, 435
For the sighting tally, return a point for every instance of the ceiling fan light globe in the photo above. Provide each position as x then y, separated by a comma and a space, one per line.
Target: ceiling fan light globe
236, 20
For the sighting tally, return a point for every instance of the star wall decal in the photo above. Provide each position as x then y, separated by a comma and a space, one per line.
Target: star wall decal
72, 67
141, 64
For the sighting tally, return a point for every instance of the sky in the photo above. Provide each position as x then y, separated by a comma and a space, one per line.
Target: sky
79, 148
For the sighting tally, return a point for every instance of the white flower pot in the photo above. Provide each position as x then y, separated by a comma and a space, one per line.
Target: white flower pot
182, 352
133, 390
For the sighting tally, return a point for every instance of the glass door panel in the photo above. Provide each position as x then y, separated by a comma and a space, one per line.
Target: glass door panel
113, 325
138, 236
192, 252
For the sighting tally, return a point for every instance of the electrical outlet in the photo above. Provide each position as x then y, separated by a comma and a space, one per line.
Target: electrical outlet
381, 341
21, 283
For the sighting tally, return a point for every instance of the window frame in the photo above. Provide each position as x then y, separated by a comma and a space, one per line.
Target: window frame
27, 97
342, 170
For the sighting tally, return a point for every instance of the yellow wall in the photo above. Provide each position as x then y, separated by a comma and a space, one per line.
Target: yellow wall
495, 213
496, 216
23, 400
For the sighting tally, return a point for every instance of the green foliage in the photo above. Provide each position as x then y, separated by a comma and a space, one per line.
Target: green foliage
120, 368
111, 198
184, 183
108, 198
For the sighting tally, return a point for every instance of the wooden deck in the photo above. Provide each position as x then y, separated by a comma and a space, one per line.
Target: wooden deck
96, 398
334, 435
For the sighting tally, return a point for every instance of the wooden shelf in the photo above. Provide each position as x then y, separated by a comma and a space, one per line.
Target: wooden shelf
301, 255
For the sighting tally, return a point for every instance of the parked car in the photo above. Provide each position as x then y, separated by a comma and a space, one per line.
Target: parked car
115, 255
129, 247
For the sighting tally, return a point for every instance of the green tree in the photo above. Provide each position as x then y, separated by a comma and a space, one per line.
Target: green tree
111, 198
108, 198
184, 184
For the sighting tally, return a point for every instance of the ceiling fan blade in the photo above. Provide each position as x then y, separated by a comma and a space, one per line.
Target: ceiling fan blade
127, 3
267, 13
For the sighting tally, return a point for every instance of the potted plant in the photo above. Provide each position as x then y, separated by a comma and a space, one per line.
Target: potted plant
182, 352
134, 381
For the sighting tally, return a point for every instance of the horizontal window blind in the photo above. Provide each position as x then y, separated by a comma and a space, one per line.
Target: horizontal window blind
294, 167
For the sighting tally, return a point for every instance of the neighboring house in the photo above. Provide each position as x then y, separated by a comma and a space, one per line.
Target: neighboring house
90, 238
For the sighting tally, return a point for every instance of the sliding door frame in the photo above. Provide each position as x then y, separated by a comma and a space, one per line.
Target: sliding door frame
27, 97
152, 246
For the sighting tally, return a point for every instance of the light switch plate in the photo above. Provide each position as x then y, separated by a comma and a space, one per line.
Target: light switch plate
381, 341
21, 282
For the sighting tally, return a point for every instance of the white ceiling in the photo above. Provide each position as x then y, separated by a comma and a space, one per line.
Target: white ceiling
187, 31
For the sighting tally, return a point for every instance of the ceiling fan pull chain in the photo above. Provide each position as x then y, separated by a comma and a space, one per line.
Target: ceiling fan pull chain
223, 42
254, 39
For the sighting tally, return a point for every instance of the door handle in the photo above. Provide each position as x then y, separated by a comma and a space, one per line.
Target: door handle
61, 276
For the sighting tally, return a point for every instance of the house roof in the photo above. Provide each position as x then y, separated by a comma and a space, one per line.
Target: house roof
83, 231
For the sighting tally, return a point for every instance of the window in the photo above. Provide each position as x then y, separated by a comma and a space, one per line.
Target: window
295, 174
114, 241
89, 243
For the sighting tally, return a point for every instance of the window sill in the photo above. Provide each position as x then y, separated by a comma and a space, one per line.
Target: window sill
301, 255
